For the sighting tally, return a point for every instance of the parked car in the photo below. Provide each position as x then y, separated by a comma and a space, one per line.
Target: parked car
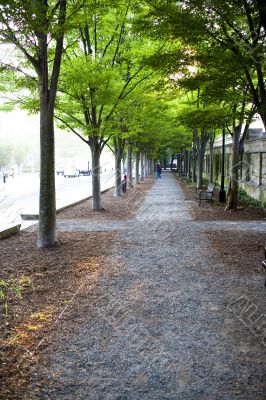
71, 172
84, 172
59, 171
9, 173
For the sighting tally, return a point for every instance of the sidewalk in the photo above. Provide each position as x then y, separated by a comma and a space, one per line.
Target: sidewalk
162, 323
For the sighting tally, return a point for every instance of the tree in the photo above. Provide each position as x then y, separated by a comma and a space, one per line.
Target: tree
36, 29
227, 89
101, 70
235, 27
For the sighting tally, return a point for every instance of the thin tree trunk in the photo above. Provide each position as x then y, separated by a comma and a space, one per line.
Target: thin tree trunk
211, 161
164, 162
137, 167
154, 166
172, 160
96, 177
185, 162
194, 163
201, 145
142, 173
200, 169
129, 167
180, 164
146, 163
118, 159
150, 167
233, 186
194, 157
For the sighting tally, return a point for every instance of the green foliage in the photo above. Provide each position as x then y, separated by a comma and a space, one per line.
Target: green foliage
247, 200
100, 74
225, 38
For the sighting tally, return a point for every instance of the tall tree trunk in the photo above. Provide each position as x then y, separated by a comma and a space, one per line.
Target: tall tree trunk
164, 161
48, 84
118, 146
233, 186
129, 166
180, 164
146, 166
194, 157
189, 165
201, 146
142, 167
96, 176
185, 162
211, 160
200, 169
150, 166
172, 160
137, 167
47, 203
194, 165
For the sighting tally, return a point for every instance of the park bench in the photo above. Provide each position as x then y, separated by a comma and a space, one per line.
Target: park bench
207, 194
184, 177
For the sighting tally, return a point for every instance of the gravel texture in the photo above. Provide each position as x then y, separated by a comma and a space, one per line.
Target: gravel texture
162, 323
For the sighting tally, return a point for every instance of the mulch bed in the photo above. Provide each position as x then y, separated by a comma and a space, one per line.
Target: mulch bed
121, 208
241, 252
47, 280
208, 211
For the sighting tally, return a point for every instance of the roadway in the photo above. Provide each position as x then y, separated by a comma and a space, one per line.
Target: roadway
20, 195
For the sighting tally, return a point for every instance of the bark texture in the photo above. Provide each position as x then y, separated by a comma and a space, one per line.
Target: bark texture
118, 146
142, 166
137, 167
96, 176
129, 167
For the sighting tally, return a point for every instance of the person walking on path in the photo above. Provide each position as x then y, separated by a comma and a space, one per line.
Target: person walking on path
158, 171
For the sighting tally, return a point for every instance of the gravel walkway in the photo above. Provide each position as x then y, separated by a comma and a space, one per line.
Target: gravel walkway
163, 323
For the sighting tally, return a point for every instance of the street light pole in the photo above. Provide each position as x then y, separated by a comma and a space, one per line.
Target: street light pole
222, 194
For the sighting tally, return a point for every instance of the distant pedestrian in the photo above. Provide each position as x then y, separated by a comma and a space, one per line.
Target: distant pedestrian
124, 184
4, 178
158, 171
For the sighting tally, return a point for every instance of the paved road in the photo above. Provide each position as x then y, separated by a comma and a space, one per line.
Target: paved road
20, 195
163, 323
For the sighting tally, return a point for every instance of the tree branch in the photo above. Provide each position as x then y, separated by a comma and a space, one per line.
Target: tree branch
58, 53
74, 118
136, 84
72, 129
121, 33
11, 37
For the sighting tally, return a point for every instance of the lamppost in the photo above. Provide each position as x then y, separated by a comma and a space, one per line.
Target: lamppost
222, 194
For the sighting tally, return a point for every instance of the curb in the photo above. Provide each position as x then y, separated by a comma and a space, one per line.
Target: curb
35, 217
13, 230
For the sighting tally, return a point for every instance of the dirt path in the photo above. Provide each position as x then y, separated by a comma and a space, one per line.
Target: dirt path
160, 321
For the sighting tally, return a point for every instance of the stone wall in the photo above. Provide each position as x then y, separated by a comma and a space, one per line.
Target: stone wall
252, 166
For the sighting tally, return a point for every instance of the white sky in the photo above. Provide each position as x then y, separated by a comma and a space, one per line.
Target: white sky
22, 128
